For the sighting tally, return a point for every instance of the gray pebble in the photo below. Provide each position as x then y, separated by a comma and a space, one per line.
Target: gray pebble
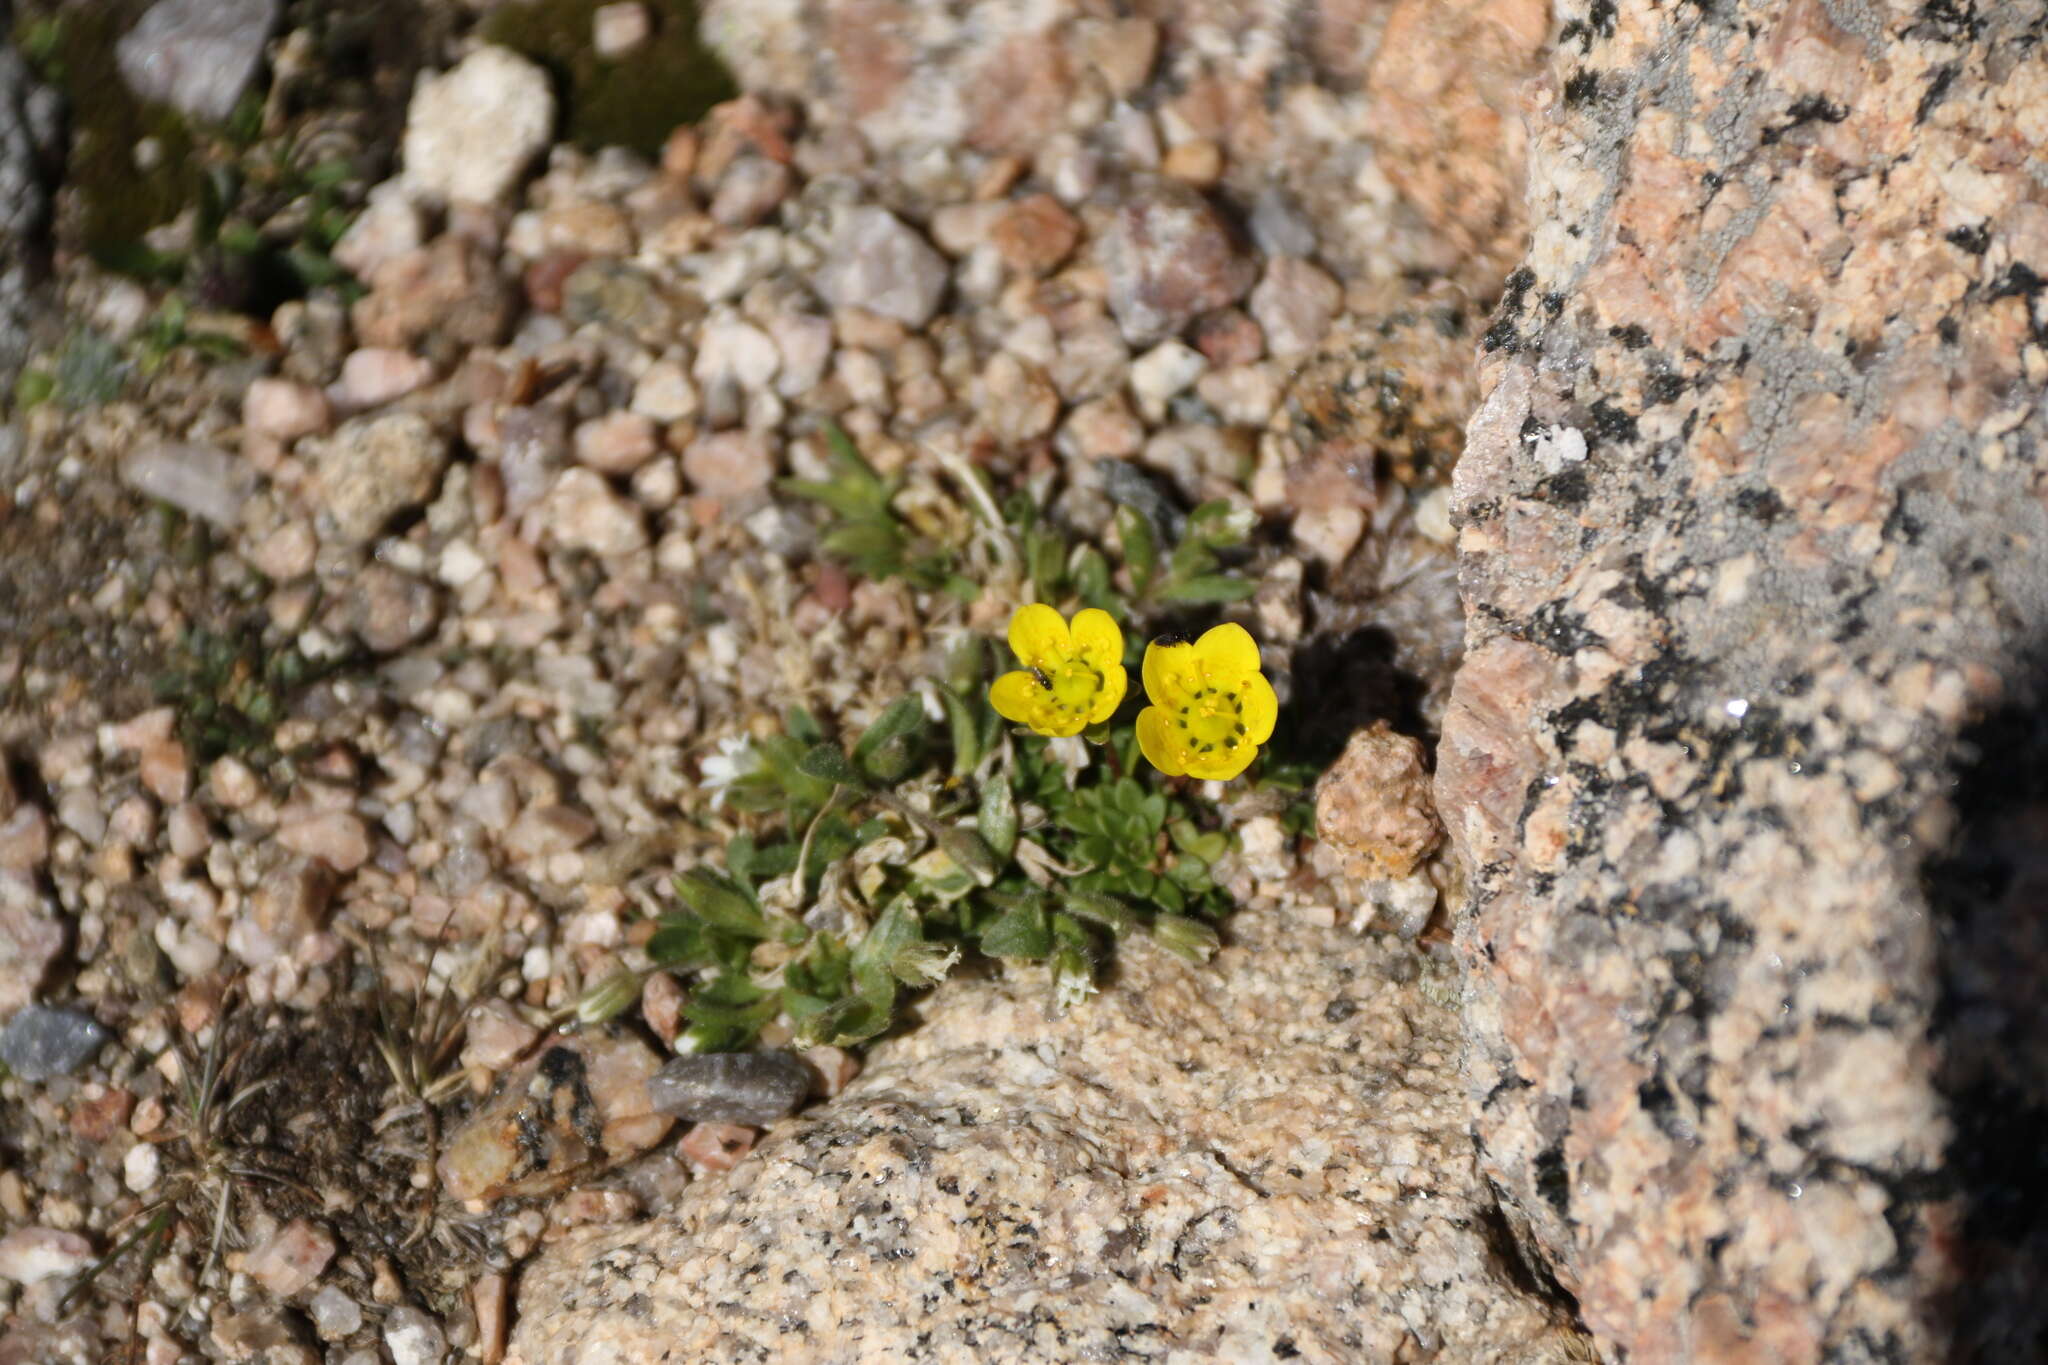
41, 1042
731, 1087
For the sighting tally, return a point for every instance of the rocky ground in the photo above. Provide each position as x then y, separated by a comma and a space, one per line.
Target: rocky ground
370, 662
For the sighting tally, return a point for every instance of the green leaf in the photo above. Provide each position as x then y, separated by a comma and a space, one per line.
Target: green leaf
681, 941
882, 750
1141, 550
1107, 911
997, 819
827, 764
873, 957
1187, 938
1220, 523
845, 1022
1090, 572
1021, 932
1045, 554
965, 734
972, 852
802, 726
720, 904
1209, 588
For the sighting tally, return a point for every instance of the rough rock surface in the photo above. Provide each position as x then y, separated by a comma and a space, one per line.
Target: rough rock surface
1752, 525
1259, 1159
28, 126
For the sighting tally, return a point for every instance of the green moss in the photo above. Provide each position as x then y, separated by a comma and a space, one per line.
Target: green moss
634, 102
116, 201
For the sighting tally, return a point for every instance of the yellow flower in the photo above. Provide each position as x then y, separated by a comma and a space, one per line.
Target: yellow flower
1211, 707
1073, 676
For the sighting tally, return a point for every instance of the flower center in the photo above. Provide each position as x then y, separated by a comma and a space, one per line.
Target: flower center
1072, 687
1210, 721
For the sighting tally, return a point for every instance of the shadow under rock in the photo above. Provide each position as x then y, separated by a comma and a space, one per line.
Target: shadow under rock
1342, 683
1989, 895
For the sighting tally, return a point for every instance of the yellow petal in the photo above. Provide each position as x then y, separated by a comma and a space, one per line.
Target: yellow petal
1017, 697
1261, 708
1115, 681
1155, 741
1222, 765
1169, 673
1228, 652
1039, 637
1097, 638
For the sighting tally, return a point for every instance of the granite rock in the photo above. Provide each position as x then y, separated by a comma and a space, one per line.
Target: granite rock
1260, 1158
1748, 1069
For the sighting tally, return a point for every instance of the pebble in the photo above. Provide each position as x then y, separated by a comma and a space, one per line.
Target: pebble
24, 842
1294, 303
375, 375
750, 190
1034, 234
166, 771
1375, 804
495, 1036
542, 1118
389, 610
1103, 429
618, 29
372, 468
284, 409
735, 352
716, 1146
664, 393
78, 810
616, 443
832, 1068
200, 480
471, 132
337, 838
442, 296
414, 1337
541, 831
233, 782
754, 1088
729, 465
1197, 162
287, 552
1169, 256
31, 936
190, 836
1228, 337
141, 1168
583, 513
534, 444
389, 226
198, 56
335, 1315
1161, 373
1279, 227
42, 1041
32, 1254
878, 262
1018, 402
1122, 51
291, 1258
